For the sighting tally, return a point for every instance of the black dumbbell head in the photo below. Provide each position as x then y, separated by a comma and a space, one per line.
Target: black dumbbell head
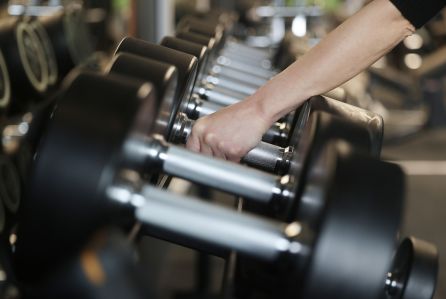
360, 203
359, 225
164, 78
84, 145
187, 65
208, 42
199, 26
414, 271
199, 51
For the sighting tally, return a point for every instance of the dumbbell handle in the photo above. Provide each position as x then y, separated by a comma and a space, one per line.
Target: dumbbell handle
242, 77
197, 108
193, 220
265, 156
153, 154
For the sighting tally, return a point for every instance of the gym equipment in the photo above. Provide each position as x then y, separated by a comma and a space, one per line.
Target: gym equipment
105, 268
10, 186
24, 55
91, 194
5, 86
50, 57
227, 86
192, 107
177, 127
281, 132
239, 60
187, 72
69, 36
414, 270
264, 156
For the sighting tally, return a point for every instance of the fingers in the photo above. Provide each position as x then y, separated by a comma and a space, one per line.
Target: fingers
193, 143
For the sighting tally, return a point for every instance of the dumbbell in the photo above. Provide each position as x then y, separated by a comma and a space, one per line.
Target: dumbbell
223, 90
5, 86
265, 156
106, 267
93, 133
24, 55
10, 192
202, 53
235, 85
50, 56
280, 133
69, 37
243, 59
187, 68
194, 27
415, 270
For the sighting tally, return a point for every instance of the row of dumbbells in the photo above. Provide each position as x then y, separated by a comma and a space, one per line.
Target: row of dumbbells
327, 211
35, 55
36, 52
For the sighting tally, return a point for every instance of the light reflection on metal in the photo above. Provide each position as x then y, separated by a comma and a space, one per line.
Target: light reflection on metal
14, 133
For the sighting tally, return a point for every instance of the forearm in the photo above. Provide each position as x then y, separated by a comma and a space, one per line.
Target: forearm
345, 52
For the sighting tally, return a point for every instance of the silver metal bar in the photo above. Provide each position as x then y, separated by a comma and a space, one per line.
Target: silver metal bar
206, 108
246, 68
247, 48
204, 222
288, 12
231, 85
264, 156
243, 77
218, 97
220, 174
247, 58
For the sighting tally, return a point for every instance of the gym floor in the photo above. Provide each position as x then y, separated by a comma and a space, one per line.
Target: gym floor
424, 159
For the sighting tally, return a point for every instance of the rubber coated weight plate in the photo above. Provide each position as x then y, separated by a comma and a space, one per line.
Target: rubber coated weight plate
23, 54
163, 76
357, 235
5, 85
319, 129
10, 186
32, 56
70, 38
115, 262
186, 64
194, 25
88, 134
198, 39
50, 57
78, 35
414, 271
199, 51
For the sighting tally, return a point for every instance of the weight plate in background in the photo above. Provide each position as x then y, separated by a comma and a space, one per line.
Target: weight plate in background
10, 185
5, 85
42, 35
32, 56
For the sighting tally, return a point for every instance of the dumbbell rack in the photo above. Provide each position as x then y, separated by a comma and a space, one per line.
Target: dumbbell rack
84, 149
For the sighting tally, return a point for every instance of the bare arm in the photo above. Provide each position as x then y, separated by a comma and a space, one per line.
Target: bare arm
345, 52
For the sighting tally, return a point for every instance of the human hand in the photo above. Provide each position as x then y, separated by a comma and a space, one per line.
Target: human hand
230, 132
